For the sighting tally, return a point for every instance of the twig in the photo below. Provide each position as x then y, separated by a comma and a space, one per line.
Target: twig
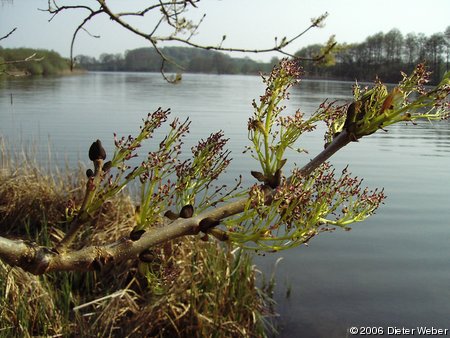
170, 12
196, 27
30, 58
74, 36
7, 35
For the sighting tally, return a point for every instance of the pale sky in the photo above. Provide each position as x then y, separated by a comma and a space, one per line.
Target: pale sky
247, 23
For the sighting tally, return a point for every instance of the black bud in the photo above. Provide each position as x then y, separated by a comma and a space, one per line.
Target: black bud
282, 163
89, 173
171, 215
277, 177
96, 151
259, 176
275, 180
135, 234
147, 256
208, 223
107, 166
187, 211
351, 114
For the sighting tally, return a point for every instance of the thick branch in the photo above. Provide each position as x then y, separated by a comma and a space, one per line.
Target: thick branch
40, 260
339, 142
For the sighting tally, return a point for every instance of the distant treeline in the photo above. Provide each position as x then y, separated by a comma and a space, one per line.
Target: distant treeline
27, 61
382, 55
189, 60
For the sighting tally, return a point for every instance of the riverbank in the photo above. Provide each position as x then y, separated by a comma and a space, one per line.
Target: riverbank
20, 62
163, 296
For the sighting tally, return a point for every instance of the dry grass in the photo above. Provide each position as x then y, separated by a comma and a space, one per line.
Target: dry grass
27, 197
208, 291
191, 289
27, 306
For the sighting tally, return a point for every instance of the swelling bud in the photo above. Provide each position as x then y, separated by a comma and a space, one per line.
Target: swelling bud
96, 151
89, 173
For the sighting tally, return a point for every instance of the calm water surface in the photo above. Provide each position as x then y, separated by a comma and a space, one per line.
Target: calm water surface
392, 270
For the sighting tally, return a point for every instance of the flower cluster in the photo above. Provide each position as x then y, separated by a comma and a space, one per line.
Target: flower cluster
292, 127
195, 175
300, 208
126, 146
376, 108
157, 189
280, 212
270, 133
334, 118
417, 80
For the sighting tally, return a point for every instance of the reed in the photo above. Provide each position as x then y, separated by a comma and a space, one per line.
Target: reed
186, 287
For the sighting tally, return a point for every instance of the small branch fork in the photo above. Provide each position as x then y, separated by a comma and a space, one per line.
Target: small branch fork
40, 260
171, 14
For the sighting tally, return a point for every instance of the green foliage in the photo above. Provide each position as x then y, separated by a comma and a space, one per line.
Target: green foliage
271, 133
44, 62
376, 108
185, 59
382, 55
2, 64
165, 180
283, 213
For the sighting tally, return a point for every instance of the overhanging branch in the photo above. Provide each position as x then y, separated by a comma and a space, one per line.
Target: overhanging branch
170, 13
40, 260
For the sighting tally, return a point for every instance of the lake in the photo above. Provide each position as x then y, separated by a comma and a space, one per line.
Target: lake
392, 270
